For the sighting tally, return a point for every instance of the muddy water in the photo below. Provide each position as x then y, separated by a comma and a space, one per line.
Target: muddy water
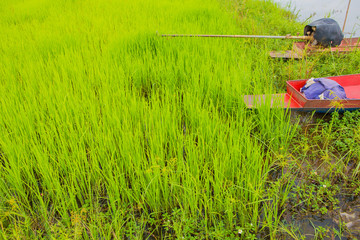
336, 9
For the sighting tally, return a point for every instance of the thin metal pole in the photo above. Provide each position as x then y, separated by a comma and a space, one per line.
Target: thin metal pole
347, 11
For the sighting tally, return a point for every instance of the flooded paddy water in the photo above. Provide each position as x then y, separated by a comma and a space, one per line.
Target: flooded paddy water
336, 9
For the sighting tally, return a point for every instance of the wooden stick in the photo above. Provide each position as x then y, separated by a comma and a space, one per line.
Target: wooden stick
347, 11
238, 36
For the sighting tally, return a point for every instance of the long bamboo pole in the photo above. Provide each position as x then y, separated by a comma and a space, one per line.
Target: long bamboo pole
238, 36
347, 11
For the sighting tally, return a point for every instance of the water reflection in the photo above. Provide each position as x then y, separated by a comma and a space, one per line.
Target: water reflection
336, 9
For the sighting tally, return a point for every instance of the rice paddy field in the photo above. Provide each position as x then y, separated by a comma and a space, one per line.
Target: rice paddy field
110, 131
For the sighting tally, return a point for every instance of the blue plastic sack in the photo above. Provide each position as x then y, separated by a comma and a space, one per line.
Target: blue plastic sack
327, 32
323, 88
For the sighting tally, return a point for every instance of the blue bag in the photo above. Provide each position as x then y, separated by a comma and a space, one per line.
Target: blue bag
323, 88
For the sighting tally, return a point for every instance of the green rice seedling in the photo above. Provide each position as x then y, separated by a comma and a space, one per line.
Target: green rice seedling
110, 131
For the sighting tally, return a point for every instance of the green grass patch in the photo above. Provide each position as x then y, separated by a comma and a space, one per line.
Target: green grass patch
110, 131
